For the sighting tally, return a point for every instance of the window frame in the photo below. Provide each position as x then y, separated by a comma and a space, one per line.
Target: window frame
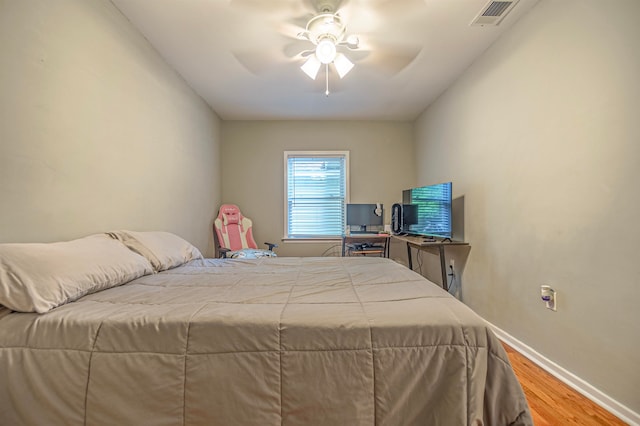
312, 154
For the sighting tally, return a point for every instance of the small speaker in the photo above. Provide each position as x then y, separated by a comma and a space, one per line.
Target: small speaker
396, 218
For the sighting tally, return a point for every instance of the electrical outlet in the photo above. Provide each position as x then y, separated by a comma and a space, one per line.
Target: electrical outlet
550, 297
452, 263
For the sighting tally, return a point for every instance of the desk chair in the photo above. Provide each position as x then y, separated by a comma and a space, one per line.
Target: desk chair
235, 235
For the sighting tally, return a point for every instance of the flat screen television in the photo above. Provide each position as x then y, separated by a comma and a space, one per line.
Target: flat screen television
365, 218
432, 210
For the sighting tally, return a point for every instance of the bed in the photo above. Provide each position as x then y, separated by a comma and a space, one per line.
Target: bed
175, 339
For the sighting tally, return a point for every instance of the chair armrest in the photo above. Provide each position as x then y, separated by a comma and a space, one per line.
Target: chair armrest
271, 246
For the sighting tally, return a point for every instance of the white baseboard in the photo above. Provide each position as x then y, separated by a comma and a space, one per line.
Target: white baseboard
621, 411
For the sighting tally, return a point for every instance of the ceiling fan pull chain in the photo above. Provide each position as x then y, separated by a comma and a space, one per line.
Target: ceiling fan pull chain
326, 92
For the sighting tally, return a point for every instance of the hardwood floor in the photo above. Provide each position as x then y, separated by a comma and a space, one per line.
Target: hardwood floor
551, 401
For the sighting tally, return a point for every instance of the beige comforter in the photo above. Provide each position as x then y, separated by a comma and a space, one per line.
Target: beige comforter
277, 341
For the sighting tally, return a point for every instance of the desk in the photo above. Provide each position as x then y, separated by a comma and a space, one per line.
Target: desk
420, 243
379, 242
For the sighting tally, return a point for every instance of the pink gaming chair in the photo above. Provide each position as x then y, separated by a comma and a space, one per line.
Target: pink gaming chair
235, 236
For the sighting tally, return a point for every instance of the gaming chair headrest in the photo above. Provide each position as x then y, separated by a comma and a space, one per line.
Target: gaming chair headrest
230, 214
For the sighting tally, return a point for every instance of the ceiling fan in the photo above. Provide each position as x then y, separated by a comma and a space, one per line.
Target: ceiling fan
326, 41
327, 32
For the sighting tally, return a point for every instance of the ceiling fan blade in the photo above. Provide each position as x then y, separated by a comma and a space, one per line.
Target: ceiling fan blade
272, 9
381, 16
297, 47
259, 61
355, 55
390, 60
292, 28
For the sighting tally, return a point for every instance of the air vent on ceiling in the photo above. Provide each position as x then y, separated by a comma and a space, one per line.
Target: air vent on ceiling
493, 12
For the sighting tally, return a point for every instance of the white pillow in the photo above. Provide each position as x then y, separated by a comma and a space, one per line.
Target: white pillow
37, 277
163, 250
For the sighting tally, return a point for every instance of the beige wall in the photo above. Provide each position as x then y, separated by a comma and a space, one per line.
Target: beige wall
541, 136
96, 131
253, 169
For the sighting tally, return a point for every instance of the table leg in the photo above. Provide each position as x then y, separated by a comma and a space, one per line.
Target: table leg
443, 268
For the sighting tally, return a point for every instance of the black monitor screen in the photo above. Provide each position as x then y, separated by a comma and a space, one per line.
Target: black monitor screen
409, 215
364, 215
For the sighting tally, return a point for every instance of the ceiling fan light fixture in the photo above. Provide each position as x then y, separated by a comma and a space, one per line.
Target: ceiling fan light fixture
343, 65
311, 67
326, 50
327, 32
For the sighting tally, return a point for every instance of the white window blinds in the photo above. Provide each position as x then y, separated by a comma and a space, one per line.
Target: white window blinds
316, 194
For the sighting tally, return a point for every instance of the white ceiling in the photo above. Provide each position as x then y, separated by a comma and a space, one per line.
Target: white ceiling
239, 55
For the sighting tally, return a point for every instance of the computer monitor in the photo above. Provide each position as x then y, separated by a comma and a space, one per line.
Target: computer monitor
431, 214
365, 218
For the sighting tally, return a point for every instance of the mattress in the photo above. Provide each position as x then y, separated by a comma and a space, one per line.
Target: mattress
272, 341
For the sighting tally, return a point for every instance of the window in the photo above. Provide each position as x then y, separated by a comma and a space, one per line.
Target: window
316, 192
